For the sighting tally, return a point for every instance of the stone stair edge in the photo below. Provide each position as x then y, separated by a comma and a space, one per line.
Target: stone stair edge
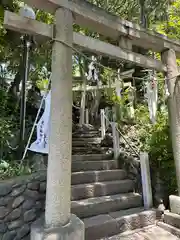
122, 214
121, 195
171, 229
104, 182
104, 204
97, 189
172, 219
105, 225
94, 165
97, 176
98, 156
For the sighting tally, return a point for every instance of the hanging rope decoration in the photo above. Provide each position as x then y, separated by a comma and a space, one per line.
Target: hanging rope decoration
152, 96
93, 72
166, 91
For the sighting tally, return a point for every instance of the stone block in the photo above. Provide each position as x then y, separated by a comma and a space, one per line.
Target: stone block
28, 204
3, 212
74, 230
29, 215
33, 185
4, 190
18, 191
15, 224
174, 204
23, 231
17, 201
15, 214
9, 235
3, 227
172, 219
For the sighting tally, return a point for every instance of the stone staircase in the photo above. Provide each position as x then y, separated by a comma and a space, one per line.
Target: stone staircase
102, 195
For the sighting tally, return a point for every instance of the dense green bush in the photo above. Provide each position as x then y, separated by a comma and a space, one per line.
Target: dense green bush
156, 140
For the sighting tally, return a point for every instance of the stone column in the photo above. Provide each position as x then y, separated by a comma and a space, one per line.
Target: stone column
173, 82
59, 223
60, 140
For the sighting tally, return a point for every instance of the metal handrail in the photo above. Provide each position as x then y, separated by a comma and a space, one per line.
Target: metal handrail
132, 148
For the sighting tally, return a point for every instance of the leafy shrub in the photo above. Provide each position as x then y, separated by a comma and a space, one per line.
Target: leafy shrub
11, 169
156, 140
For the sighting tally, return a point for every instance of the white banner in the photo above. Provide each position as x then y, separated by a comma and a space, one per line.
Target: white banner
152, 98
41, 144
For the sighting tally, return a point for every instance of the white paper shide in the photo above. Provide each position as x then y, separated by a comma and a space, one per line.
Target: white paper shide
152, 98
41, 145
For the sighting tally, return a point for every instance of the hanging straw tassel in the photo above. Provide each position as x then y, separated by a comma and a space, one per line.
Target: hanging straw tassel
152, 98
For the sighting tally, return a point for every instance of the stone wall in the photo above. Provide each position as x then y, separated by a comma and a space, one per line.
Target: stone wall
21, 202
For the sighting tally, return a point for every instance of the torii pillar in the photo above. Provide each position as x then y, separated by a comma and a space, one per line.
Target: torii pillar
59, 223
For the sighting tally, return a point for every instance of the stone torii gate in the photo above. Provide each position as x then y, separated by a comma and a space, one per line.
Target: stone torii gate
59, 223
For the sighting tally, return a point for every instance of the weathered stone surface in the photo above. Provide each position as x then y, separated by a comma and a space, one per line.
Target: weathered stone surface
20, 204
38, 163
3, 227
24, 230
72, 231
15, 214
17, 201
9, 235
17, 185
42, 197
2, 202
150, 233
41, 177
33, 185
174, 204
5, 200
42, 187
15, 224
17, 191
3, 212
39, 205
28, 204
4, 190
29, 215
32, 194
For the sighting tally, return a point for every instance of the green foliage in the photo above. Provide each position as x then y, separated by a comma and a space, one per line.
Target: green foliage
8, 170
156, 140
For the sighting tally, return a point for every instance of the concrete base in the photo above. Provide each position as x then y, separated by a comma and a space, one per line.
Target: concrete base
74, 230
174, 204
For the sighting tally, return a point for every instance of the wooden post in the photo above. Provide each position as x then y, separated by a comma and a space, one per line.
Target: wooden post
83, 103
87, 115
114, 117
115, 140
103, 123
173, 82
146, 180
58, 200
125, 43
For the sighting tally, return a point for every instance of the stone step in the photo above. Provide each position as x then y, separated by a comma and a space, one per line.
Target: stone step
79, 143
86, 132
98, 176
173, 230
106, 225
172, 219
89, 150
78, 166
97, 189
102, 205
87, 140
151, 232
92, 157
86, 135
